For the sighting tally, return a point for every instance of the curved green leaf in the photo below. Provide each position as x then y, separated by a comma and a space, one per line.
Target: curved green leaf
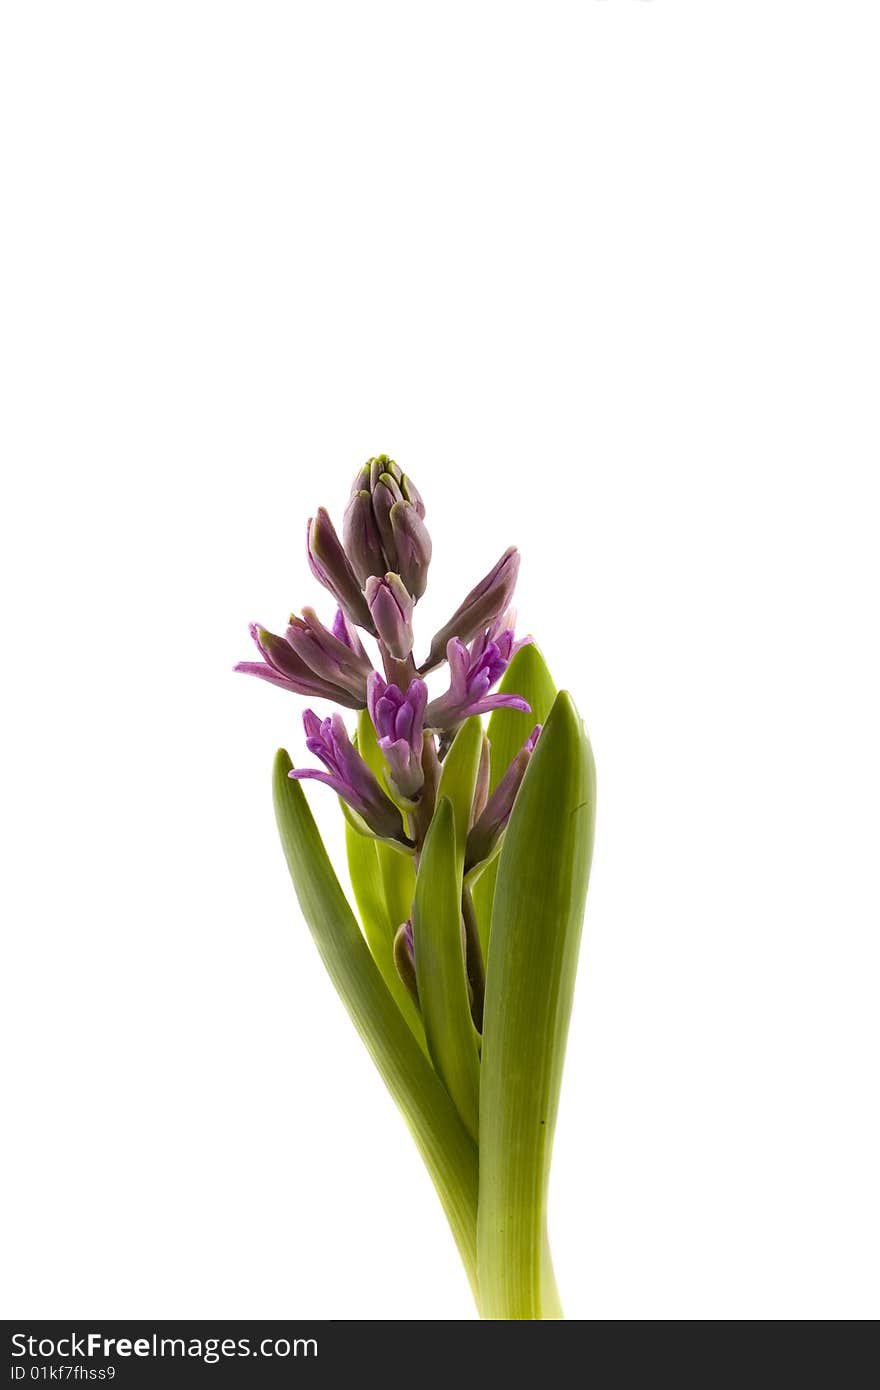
527, 675
369, 894
447, 1149
540, 893
440, 966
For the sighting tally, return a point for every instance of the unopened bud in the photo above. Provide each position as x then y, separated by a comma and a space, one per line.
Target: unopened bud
383, 529
484, 835
486, 602
391, 609
331, 566
405, 959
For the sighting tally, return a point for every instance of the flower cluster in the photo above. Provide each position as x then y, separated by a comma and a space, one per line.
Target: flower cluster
377, 573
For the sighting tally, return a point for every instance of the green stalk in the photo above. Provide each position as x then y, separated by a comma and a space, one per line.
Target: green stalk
448, 1151
535, 934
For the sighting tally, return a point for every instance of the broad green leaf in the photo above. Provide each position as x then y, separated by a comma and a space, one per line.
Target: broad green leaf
397, 870
440, 966
458, 777
369, 894
447, 1149
540, 893
527, 675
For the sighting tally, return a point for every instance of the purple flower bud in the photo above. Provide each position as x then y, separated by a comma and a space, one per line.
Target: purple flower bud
405, 958
360, 537
337, 660
383, 466
391, 608
412, 545
349, 776
383, 529
331, 567
472, 673
386, 494
283, 666
398, 719
483, 605
345, 631
412, 494
490, 826
502, 635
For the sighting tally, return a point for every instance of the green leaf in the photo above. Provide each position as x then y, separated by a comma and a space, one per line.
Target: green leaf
527, 675
445, 1145
440, 966
540, 893
458, 778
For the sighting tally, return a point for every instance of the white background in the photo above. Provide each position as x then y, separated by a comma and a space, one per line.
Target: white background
604, 278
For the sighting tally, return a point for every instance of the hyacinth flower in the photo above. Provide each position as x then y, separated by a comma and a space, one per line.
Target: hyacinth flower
349, 776
303, 663
391, 608
383, 529
399, 724
490, 821
472, 673
458, 836
479, 611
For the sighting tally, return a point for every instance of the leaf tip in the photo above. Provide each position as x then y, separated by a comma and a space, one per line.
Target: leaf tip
283, 763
